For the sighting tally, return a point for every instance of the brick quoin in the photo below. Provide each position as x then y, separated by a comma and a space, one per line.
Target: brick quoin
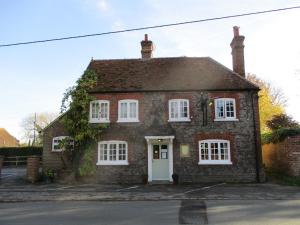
223, 136
216, 95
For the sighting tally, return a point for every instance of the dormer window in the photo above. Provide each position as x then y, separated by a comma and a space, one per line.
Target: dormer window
99, 111
179, 110
128, 110
225, 109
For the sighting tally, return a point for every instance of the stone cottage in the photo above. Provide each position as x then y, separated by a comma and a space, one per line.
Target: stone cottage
180, 115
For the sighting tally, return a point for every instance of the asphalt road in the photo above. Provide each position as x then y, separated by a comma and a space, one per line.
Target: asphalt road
222, 212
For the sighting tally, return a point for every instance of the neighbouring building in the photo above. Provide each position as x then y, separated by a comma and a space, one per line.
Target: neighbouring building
190, 116
7, 140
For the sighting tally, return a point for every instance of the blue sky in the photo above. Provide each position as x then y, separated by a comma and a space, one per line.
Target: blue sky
33, 78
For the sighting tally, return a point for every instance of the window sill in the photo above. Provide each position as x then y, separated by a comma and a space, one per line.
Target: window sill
231, 119
99, 121
214, 163
57, 150
180, 120
111, 163
127, 121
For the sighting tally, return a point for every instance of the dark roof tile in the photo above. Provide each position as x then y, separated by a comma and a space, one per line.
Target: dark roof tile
166, 74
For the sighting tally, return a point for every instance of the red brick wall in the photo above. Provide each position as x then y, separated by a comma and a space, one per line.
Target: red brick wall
223, 136
283, 156
215, 95
33, 165
113, 103
178, 95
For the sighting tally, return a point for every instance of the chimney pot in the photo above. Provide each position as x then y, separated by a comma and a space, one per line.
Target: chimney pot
146, 37
236, 31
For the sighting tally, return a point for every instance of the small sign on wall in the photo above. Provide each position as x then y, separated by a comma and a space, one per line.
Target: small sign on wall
184, 151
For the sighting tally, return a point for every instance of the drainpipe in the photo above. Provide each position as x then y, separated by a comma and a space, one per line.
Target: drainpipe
257, 144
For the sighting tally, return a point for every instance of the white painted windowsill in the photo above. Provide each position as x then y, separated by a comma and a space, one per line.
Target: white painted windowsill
99, 121
128, 121
180, 120
214, 163
229, 119
112, 163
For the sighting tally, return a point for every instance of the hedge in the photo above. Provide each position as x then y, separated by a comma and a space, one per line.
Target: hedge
279, 135
21, 151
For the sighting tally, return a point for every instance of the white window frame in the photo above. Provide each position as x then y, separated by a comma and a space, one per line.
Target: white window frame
225, 118
179, 119
214, 162
59, 138
112, 162
128, 119
99, 120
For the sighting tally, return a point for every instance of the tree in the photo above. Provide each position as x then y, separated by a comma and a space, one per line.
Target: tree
75, 104
33, 124
282, 121
271, 101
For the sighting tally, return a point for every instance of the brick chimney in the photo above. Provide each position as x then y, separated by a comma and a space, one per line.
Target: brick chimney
147, 48
237, 46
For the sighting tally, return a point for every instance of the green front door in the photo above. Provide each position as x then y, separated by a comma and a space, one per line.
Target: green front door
160, 162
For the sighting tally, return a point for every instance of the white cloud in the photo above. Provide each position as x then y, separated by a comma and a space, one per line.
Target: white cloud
117, 25
102, 5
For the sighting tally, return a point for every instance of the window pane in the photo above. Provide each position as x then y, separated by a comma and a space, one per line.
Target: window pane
204, 151
214, 151
183, 109
229, 108
123, 113
112, 152
132, 109
104, 110
156, 151
122, 151
101, 151
220, 108
224, 151
95, 110
174, 110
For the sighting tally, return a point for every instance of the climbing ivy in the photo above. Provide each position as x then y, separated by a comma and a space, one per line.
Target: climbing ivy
88, 166
75, 105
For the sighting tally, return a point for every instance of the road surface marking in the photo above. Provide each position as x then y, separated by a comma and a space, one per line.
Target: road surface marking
203, 188
123, 189
66, 187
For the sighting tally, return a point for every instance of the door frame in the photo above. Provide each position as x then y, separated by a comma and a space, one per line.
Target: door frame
150, 141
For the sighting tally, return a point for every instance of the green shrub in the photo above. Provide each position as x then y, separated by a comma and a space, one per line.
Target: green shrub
21, 151
279, 135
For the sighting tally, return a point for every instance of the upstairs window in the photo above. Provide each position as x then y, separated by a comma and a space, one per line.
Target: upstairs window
179, 110
57, 143
225, 109
128, 111
112, 153
99, 111
214, 152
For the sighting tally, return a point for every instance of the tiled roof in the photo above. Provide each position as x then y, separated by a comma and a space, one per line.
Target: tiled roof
166, 74
7, 140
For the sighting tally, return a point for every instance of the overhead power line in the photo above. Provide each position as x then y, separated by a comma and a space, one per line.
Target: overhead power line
150, 27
